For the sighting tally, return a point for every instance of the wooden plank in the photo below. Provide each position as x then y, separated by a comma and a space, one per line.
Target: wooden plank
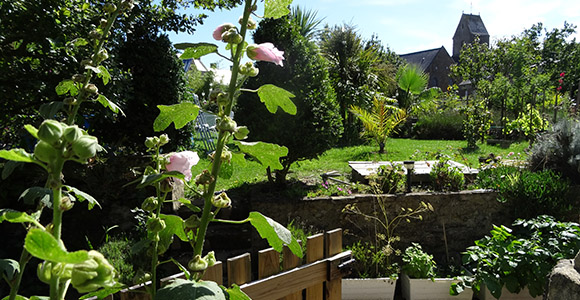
215, 273
286, 283
333, 247
239, 269
268, 263
290, 261
314, 252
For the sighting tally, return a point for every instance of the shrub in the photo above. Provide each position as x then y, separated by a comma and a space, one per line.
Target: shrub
118, 251
372, 261
558, 150
447, 125
530, 193
316, 126
521, 257
389, 179
445, 178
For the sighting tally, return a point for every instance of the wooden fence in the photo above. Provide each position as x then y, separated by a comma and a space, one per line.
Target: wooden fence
318, 277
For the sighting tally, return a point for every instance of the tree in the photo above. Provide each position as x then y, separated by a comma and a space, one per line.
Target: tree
307, 22
411, 81
351, 71
381, 121
316, 127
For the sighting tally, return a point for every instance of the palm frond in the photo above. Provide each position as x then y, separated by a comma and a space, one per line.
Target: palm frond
412, 79
307, 21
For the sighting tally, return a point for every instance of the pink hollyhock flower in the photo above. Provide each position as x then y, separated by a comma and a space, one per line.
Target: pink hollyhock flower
560, 81
559, 88
217, 33
182, 162
562, 74
265, 52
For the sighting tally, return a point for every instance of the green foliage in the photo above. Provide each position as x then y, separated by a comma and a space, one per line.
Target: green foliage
530, 193
417, 263
371, 261
304, 75
558, 150
445, 125
389, 179
445, 177
379, 122
117, 250
412, 81
521, 257
527, 124
477, 122
182, 289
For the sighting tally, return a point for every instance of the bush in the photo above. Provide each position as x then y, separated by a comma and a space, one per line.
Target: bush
521, 257
447, 125
372, 261
558, 150
446, 178
316, 127
417, 263
389, 179
530, 193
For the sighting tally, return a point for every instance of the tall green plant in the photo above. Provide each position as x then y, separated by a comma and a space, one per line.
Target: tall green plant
380, 122
412, 81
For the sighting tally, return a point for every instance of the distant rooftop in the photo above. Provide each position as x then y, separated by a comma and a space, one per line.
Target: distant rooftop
474, 24
422, 58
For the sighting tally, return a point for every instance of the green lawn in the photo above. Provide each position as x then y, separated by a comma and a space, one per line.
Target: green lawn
337, 159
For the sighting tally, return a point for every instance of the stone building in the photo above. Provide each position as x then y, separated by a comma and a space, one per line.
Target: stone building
435, 63
469, 27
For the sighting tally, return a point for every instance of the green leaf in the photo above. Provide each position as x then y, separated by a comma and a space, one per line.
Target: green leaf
109, 104
30, 195
32, 130
226, 170
43, 245
104, 74
17, 154
276, 234
66, 86
82, 196
104, 292
189, 205
236, 293
274, 97
78, 42
49, 110
180, 114
18, 297
276, 8
173, 226
182, 289
14, 216
9, 267
196, 50
9, 167
148, 180
267, 154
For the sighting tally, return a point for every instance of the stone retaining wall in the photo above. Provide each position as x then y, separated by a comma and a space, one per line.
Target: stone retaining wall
466, 217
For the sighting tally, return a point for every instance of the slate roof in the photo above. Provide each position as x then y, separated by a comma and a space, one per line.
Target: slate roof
474, 24
422, 58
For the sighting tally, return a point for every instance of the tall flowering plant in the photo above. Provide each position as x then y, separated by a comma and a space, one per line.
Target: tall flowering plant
177, 166
61, 141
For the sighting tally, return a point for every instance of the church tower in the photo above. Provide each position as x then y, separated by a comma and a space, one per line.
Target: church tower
469, 27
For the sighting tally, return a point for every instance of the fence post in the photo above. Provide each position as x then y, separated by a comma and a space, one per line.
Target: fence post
315, 251
333, 247
239, 269
268, 262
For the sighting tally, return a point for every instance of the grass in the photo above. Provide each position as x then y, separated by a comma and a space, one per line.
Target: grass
337, 159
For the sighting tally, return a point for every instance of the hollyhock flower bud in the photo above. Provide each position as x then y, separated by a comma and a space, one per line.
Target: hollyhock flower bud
251, 23
204, 178
227, 124
163, 139
241, 132
217, 33
85, 146
155, 225
78, 77
150, 143
110, 8
66, 204
182, 162
72, 133
221, 201
150, 204
91, 89
265, 52
197, 264
51, 131
248, 69
92, 274
232, 36
210, 258
192, 222
95, 34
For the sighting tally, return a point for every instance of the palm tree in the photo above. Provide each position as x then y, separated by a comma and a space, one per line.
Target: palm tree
381, 121
307, 21
412, 80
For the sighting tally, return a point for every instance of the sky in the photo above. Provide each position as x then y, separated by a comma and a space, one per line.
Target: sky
407, 26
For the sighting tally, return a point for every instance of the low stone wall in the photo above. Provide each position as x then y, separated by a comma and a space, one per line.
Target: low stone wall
564, 281
459, 218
